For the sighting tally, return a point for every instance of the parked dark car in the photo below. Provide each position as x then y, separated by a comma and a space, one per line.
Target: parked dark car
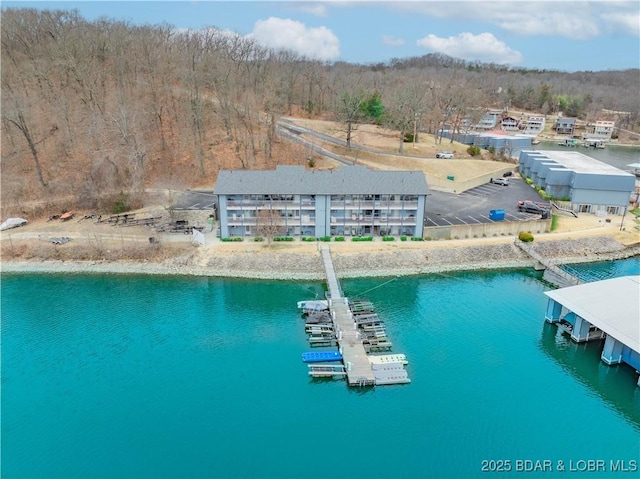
531, 208
507, 174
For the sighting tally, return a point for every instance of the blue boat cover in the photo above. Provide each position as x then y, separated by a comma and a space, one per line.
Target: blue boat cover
321, 356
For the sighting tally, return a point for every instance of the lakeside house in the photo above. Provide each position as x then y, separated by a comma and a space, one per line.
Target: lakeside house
533, 125
489, 120
586, 184
565, 126
349, 201
509, 123
600, 130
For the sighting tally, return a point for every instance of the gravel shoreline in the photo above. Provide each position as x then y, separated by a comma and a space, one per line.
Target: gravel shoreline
308, 266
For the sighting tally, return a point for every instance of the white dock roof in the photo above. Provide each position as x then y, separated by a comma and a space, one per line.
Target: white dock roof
612, 305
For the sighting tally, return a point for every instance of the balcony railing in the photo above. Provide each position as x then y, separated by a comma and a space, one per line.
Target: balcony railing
377, 205
256, 204
373, 220
252, 221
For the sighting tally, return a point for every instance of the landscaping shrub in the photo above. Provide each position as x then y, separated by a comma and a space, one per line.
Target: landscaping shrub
339, 238
415, 238
258, 239
283, 238
525, 237
325, 239
235, 239
308, 238
403, 238
473, 150
388, 238
362, 238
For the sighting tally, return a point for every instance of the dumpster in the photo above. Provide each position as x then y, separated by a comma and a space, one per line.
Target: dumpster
451, 177
496, 215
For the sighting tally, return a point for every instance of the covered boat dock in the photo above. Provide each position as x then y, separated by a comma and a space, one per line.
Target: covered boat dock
608, 308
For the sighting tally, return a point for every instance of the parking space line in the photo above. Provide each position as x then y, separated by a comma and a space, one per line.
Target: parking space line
194, 206
475, 219
477, 195
210, 205
434, 223
445, 219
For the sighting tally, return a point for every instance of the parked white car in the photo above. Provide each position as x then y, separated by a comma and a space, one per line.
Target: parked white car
500, 181
444, 154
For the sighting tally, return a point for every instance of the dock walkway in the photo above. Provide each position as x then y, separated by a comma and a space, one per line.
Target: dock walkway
358, 368
552, 272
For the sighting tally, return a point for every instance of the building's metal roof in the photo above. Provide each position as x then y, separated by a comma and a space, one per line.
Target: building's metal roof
581, 163
356, 180
612, 305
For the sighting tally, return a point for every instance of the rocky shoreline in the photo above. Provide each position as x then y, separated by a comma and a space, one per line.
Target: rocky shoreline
282, 265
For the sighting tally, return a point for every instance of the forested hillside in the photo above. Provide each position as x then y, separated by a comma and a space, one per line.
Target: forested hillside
94, 112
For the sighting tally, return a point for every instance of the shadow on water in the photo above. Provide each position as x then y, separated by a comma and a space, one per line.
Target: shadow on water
615, 384
319, 381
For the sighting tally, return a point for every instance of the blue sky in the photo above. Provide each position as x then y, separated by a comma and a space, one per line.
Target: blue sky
559, 35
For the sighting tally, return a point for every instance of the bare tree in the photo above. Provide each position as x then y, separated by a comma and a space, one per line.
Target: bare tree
350, 112
404, 108
16, 117
269, 224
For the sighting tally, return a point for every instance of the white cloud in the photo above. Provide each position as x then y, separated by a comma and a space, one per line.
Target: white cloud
573, 25
569, 19
317, 9
392, 41
467, 46
314, 42
625, 22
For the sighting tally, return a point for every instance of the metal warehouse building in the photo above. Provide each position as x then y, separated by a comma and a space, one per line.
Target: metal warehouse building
591, 186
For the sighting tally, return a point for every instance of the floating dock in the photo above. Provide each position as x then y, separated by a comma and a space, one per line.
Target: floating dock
388, 359
358, 330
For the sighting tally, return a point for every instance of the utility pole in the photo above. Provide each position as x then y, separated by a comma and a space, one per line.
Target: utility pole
623, 215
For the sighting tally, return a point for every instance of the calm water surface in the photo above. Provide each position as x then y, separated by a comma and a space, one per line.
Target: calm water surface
162, 377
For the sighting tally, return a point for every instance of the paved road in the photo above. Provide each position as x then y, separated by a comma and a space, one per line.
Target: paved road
292, 132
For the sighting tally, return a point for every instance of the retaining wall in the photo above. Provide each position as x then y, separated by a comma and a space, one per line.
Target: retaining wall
486, 230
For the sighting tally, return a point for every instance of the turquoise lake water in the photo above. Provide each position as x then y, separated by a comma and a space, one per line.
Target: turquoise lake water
165, 377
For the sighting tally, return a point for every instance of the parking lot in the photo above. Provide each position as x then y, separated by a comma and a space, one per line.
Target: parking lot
473, 206
195, 200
